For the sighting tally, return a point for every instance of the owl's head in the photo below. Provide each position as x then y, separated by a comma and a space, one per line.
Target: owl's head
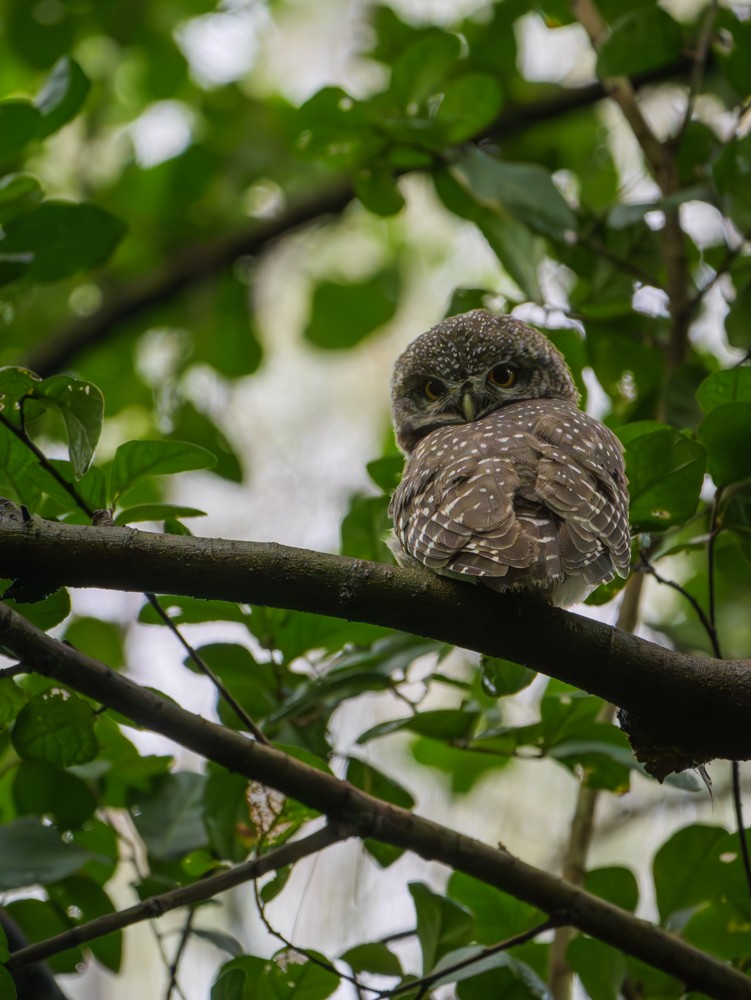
469, 365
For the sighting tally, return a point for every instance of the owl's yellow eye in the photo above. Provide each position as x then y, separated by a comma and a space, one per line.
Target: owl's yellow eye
503, 376
433, 389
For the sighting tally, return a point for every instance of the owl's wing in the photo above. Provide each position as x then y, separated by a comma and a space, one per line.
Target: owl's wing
528, 507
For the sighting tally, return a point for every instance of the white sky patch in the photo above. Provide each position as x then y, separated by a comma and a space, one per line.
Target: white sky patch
163, 131
222, 47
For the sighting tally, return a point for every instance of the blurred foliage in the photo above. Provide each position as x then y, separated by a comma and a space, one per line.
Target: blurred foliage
139, 182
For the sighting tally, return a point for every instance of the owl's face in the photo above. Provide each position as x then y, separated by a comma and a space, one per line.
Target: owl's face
469, 365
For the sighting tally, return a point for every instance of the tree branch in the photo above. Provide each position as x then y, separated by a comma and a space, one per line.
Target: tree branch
697, 703
368, 816
202, 262
186, 895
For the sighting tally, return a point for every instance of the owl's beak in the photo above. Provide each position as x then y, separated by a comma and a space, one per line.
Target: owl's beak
469, 407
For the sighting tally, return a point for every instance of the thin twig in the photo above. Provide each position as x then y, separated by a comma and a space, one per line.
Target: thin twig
187, 895
697, 71
45, 463
203, 666
647, 567
423, 984
175, 964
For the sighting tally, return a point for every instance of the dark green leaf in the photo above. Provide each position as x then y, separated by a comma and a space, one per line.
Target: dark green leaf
730, 386
18, 193
274, 886
375, 958
343, 315
56, 727
376, 188
220, 940
738, 330
665, 471
502, 677
616, 885
169, 818
19, 123
420, 69
440, 724
730, 173
374, 782
600, 968
507, 978
82, 900
725, 433
442, 925
469, 104
7, 985
686, 869
641, 40
32, 853
40, 920
12, 700
156, 512
386, 472
364, 528
62, 95
42, 789
102, 640
62, 239
497, 914
136, 459
524, 189
81, 405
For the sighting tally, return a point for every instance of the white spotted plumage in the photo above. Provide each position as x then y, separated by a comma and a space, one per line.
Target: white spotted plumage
529, 494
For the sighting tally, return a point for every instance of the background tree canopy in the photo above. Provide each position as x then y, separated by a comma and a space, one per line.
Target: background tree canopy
219, 225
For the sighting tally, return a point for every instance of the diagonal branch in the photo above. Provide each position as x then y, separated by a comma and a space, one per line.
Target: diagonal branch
371, 817
697, 703
187, 895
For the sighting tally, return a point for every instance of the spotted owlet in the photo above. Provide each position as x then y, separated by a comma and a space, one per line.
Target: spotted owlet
506, 479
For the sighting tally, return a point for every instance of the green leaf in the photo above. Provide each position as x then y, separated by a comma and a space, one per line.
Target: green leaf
135, 460
364, 528
169, 817
442, 925
220, 940
376, 188
520, 252
497, 914
12, 700
730, 386
62, 239
685, 869
601, 969
526, 190
730, 173
42, 789
62, 95
505, 977
374, 782
254, 685
156, 512
420, 69
82, 900
19, 123
616, 885
725, 432
738, 328
102, 640
7, 985
40, 920
469, 104
343, 315
502, 677
225, 812
440, 724
57, 727
641, 40
665, 471
18, 193
721, 929
375, 958
238, 350
81, 405
32, 853
386, 472
286, 975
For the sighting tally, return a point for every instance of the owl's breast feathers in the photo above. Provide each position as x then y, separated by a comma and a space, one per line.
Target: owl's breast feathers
532, 496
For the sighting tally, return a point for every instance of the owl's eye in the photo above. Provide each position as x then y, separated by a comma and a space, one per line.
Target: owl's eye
433, 389
503, 376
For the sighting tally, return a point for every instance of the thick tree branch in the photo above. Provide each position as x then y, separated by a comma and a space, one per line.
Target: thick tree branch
186, 895
201, 262
697, 703
368, 816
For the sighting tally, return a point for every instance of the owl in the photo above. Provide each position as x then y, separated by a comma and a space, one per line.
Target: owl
506, 482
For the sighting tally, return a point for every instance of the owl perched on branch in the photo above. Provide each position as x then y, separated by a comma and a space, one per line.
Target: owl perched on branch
507, 481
